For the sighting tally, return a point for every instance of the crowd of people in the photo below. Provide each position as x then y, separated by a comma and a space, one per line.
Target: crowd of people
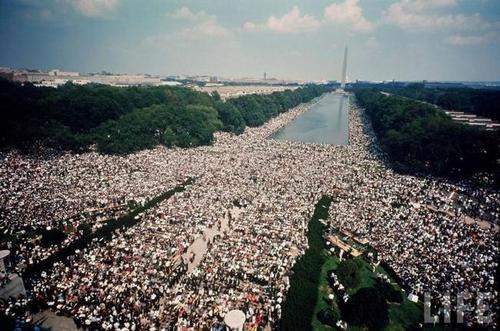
62, 192
139, 279
417, 225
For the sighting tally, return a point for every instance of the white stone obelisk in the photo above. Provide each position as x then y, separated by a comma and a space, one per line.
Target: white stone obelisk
344, 70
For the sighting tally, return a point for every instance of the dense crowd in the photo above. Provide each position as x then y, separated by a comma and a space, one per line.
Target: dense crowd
418, 226
63, 192
140, 278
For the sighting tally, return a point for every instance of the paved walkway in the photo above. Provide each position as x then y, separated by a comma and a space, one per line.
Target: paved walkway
50, 320
199, 247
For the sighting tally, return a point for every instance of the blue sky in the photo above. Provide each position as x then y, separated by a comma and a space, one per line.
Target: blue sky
387, 39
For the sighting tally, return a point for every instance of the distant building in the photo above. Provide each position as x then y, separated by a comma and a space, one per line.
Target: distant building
173, 77
51, 83
6, 73
33, 76
170, 83
57, 72
56, 77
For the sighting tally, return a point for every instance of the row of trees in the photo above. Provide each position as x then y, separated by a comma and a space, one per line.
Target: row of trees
144, 128
482, 102
257, 109
65, 116
123, 120
420, 138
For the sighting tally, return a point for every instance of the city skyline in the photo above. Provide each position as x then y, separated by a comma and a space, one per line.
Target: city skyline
448, 40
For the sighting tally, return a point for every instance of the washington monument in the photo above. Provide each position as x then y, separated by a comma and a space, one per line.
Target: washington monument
344, 70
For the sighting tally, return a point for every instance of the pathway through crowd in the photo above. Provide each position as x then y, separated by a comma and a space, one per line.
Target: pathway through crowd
200, 246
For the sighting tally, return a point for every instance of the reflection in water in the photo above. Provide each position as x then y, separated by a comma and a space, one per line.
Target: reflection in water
326, 122
338, 126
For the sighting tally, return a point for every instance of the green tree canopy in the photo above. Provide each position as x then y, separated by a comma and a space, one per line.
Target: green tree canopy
422, 139
124, 120
231, 117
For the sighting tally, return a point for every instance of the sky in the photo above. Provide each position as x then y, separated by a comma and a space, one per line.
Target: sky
450, 40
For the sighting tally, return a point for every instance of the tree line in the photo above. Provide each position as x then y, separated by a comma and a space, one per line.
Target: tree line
121, 120
482, 102
420, 138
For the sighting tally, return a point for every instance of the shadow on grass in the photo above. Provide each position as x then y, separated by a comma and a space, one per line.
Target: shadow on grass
298, 309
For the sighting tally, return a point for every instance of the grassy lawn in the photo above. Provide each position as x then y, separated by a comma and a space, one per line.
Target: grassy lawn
401, 315
323, 291
298, 309
309, 288
405, 314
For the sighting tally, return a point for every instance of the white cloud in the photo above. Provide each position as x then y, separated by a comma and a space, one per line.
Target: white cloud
420, 5
350, 14
251, 26
205, 25
431, 15
291, 22
473, 40
425, 15
94, 8
347, 13
205, 29
184, 13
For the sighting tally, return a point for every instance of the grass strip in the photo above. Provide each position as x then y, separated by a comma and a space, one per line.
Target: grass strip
298, 309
